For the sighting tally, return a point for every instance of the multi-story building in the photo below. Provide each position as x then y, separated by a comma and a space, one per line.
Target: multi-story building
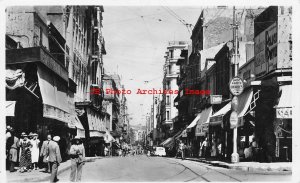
59, 49
171, 71
273, 70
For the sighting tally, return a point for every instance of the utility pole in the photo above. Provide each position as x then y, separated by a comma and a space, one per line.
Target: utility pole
234, 102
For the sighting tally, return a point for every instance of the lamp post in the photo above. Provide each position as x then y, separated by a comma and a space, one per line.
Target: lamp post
236, 88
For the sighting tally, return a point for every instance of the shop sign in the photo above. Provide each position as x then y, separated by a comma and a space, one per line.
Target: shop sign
260, 55
236, 86
233, 119
201, 130
271, 47
284, 113
215, 99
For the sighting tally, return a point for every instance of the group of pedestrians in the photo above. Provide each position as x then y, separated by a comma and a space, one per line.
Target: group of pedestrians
28, 148
29, 154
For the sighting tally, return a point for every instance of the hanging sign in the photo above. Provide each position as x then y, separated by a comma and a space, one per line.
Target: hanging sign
236, 86
215, 99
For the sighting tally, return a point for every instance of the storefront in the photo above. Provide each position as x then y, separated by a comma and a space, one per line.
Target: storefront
93, 122
283, 124
218, 127
201, 131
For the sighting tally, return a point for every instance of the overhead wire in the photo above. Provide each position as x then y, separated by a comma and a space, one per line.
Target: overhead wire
172, 13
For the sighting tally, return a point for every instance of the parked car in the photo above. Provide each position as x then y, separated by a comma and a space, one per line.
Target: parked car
160, 151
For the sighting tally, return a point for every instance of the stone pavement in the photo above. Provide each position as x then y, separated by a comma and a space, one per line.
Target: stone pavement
39, 175
276, 167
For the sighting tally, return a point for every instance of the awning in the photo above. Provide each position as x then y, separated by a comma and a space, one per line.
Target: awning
182, 134
108, 137
54, 95
244, 101
166, 141
217, 118
54, 91
177, 134
96, 134
80, 133
75, 123
284, 107
169, 143
205, 115
193, 123
10, 108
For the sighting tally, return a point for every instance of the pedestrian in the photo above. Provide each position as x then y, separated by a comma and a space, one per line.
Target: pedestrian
45, 154
77, 153
105, 151
9, 143
180, 149
25, 161
20, 141
35, 151
254, 147
13, 152
220, 150
54, 158
205, 147
213, 152
200, 148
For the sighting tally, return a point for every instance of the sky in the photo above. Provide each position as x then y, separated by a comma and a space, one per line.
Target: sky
136, 39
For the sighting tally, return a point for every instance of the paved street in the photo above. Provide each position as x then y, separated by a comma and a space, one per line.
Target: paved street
143, 168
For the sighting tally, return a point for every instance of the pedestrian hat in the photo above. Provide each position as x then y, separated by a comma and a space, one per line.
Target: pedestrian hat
30, 134
77, 137
34, 134
56, 138
24, 134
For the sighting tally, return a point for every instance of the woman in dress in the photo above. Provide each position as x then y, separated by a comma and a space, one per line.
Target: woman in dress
35, 151
213, 152
25, 160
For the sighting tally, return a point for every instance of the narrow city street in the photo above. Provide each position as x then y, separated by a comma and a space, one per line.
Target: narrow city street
142, 168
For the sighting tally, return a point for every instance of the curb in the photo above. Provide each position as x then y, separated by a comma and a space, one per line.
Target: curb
45, 178
262, 169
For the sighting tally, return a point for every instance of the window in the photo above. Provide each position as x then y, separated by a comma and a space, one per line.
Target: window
168, 115
168, 100
171, 53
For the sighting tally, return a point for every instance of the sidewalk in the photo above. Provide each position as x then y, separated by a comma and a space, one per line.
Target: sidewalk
39, 175
276, 167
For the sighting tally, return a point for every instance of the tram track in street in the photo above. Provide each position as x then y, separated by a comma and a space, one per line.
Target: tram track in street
207, 168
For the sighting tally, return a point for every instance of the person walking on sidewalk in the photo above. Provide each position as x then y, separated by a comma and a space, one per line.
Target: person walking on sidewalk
45, 153
77, 153
13, 152
54, 158
35, 150
25, 160
205, 147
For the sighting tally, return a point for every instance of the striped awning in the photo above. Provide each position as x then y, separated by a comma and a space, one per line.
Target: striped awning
217, 118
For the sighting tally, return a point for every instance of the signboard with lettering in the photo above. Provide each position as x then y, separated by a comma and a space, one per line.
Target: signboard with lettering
259, 52
215, 99
284, 113
236, 86
271, 47
201, 130
265, 50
